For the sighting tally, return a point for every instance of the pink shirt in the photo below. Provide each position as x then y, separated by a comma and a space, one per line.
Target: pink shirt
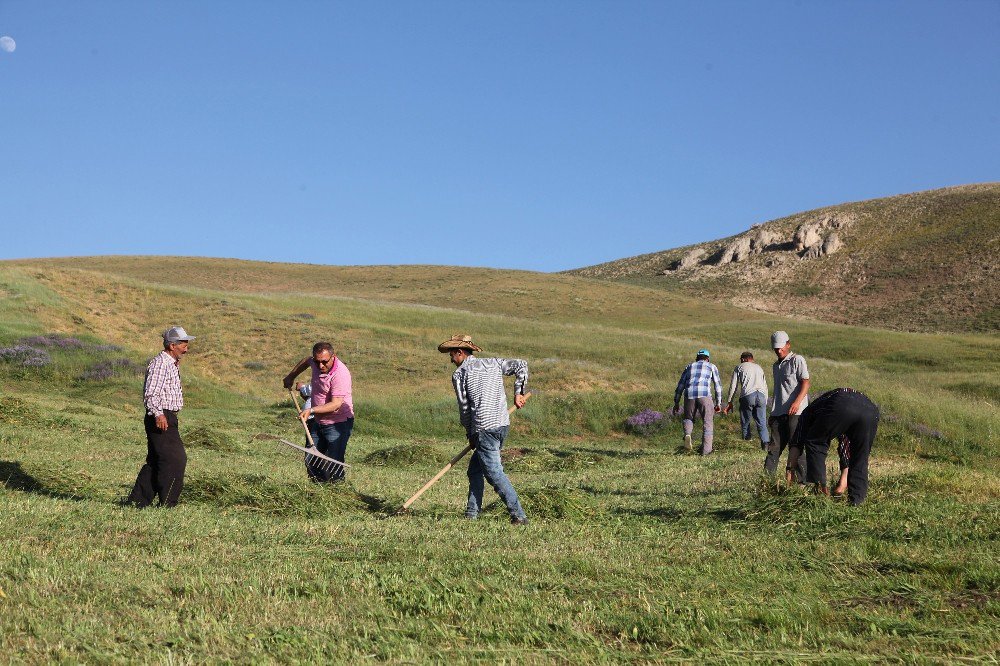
326, 387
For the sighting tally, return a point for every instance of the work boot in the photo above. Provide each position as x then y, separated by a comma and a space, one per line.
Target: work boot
518, 521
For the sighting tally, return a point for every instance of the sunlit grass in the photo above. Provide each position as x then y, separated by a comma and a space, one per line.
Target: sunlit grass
636, 550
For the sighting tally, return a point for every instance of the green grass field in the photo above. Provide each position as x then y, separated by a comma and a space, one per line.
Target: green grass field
636, 551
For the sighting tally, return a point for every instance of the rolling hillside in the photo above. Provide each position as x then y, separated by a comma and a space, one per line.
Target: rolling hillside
926, 261
637, 551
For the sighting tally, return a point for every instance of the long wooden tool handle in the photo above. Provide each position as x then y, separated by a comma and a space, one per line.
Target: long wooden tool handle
302, 420
444, 470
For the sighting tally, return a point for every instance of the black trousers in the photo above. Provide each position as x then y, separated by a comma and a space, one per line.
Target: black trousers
849, 416
782, 428
163, 474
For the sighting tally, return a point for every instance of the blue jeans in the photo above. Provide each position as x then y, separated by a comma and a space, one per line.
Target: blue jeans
485, 463
331, 440
754, 406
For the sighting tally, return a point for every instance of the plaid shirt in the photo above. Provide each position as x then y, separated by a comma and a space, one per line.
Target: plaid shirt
697, 380
482, 403
163, 385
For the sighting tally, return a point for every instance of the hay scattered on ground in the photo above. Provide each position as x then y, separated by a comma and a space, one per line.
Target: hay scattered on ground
258, 493
15, 411
401, 456
207, 437
537, 460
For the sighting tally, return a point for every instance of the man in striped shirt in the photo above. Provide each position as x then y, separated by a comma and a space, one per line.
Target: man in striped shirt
482, 408
696, 381
162, 477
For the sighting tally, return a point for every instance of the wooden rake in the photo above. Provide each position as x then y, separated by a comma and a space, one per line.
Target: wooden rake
444, 470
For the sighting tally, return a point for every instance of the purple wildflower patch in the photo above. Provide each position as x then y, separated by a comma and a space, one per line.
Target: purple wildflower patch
105, 370
25, 355
645, 423
54, 340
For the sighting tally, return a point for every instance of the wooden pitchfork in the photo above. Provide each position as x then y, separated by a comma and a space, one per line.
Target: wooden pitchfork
444, 470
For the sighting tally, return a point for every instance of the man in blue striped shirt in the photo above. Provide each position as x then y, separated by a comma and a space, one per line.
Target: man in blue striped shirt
696, 381
482, 407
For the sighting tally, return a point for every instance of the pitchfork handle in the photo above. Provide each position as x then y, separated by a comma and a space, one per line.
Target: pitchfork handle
444, 470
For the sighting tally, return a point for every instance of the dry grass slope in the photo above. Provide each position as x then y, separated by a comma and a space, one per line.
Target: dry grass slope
925, 261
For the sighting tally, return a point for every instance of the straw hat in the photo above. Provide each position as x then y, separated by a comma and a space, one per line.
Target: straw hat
458, 342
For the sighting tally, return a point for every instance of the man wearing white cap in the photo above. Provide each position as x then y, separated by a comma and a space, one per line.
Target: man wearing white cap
791, 396
162, 477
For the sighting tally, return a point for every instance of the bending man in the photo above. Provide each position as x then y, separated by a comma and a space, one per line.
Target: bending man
852, 418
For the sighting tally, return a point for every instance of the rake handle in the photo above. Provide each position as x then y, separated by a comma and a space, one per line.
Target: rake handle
302, 420
446, 468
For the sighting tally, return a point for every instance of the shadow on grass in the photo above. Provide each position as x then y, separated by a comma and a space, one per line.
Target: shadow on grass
663, 513
13, 476
609, 453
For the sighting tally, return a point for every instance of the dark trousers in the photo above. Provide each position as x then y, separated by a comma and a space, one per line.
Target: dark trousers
163, 474
782, 429
853, 418
331, 440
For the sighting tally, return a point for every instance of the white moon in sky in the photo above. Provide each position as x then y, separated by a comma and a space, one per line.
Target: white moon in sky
8, 44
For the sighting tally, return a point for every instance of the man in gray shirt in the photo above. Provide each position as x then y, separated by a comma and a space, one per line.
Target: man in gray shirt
753, 397
791, 396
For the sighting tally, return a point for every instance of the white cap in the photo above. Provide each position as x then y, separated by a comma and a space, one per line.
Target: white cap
779, 339
176, 334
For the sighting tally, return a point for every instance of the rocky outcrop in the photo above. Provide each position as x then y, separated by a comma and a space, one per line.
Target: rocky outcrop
747, 245
819, 237
813, 238
691, 258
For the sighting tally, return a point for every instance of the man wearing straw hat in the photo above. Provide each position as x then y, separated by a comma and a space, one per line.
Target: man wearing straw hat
162, 477
482, 408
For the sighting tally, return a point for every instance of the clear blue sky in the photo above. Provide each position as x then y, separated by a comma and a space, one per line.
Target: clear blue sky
540, 135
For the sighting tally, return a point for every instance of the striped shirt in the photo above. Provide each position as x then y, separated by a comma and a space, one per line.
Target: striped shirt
697, 380
162, 389
482, 403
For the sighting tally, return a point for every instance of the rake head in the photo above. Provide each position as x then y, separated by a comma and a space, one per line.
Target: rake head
313, 457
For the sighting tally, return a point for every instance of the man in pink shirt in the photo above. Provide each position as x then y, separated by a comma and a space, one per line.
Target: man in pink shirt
332, 407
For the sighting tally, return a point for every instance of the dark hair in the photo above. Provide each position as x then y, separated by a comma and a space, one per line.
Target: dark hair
746, 356
701, 357
321, 347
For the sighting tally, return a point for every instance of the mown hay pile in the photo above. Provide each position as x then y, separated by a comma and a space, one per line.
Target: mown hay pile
15, 411
257, 493
402, 456
537, 460
208, 437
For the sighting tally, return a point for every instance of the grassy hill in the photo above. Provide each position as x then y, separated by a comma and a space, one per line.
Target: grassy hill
636, 551
919, 262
